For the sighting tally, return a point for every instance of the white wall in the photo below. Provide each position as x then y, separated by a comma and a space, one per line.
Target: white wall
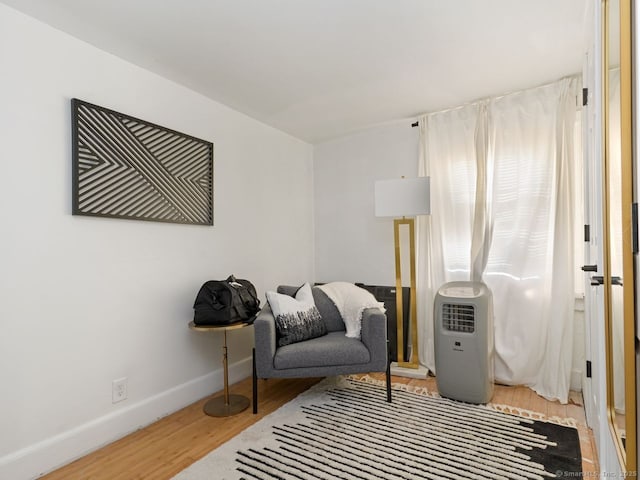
351, 243
85, 300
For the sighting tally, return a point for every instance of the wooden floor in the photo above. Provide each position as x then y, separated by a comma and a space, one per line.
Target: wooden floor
166, 447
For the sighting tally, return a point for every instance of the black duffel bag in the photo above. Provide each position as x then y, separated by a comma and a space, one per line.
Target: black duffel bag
222, 302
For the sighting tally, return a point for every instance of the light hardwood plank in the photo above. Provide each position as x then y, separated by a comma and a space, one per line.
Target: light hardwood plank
169, 445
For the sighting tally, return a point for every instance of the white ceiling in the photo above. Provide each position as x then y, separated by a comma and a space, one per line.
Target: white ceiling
323, 68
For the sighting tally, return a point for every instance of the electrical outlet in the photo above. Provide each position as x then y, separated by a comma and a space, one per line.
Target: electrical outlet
119, 390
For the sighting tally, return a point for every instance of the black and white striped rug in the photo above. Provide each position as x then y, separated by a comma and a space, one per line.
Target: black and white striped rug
344, 429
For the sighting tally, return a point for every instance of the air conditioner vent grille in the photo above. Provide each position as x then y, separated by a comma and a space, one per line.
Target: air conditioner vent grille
458, 318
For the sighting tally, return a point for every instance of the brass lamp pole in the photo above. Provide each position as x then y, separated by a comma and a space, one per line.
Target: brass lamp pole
404, 198
413, 312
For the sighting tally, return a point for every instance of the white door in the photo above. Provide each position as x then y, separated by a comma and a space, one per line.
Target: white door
595, 387
594, 372
594, 379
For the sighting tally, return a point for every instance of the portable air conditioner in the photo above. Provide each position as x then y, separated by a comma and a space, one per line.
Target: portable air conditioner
464, 341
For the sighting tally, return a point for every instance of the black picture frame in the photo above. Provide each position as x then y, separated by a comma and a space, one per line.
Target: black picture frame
125, 167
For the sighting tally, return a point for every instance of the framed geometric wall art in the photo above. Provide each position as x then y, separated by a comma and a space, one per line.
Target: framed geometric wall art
124, 167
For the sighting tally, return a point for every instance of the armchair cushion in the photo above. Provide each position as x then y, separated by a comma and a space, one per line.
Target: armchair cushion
326, 351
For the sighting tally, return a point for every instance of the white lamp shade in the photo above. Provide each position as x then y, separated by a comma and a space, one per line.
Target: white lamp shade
402, 197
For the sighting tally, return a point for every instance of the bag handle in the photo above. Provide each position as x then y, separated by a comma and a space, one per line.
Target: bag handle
252, 301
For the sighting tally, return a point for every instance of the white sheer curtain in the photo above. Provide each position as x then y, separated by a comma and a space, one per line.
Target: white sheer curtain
444, 237
512, 226
482, 226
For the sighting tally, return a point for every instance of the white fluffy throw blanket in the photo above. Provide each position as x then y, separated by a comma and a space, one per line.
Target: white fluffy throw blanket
351, 300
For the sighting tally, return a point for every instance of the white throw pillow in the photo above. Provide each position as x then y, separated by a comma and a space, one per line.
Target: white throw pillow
297, 319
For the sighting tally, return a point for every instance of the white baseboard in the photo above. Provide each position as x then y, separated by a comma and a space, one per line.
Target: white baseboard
54, 452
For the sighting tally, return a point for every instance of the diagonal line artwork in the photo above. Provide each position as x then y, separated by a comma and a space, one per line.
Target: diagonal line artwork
127, 168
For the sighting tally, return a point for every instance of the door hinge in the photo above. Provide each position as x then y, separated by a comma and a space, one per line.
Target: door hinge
585, 96
588, 368
587, 233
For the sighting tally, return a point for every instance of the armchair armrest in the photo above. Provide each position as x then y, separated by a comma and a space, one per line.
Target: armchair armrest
374, 334
265, 340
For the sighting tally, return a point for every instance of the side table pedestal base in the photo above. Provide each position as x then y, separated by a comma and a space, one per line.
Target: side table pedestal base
217, 407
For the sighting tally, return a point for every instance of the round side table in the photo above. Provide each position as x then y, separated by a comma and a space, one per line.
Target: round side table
228, 404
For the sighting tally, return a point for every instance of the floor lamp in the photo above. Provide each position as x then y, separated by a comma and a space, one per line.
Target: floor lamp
404, 197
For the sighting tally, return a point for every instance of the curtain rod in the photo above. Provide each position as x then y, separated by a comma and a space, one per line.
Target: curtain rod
576, 76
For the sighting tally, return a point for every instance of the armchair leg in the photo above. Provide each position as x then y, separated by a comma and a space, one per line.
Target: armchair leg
388, 373
255, 384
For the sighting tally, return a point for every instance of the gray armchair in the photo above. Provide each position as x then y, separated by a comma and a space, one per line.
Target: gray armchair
328, 355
